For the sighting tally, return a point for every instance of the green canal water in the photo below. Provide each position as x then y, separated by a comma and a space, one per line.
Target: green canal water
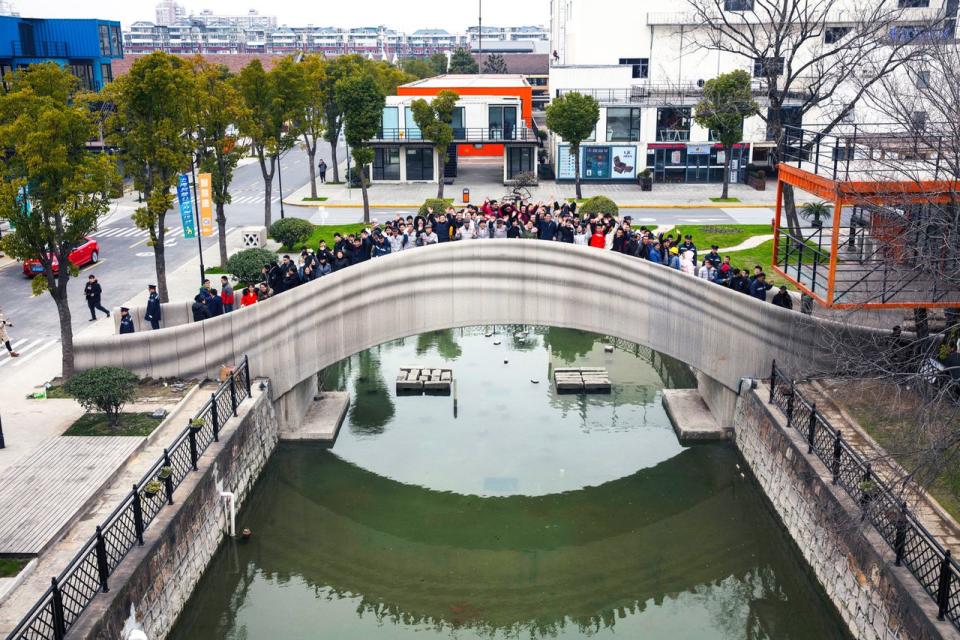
507, 511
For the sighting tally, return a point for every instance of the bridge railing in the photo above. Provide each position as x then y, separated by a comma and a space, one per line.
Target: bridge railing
914, 547
89, 572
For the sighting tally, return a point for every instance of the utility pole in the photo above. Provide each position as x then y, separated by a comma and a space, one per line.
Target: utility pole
280, 180
196, 213
480, 27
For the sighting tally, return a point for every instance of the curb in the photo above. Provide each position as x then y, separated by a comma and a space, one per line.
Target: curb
705, 205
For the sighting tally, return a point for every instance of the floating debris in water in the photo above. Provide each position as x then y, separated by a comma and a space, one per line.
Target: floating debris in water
496, 342
488, 334
608, 348
535, 381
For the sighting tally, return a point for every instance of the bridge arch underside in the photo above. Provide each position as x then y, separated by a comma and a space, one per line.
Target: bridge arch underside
291, 337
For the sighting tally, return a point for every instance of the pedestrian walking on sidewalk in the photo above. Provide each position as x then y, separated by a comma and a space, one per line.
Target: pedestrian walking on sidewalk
154, 311
322, 167
4, 338
92, 293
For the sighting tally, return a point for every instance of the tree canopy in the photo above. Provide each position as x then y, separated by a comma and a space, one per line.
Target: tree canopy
573, 116
727, 100
434, 118
495, 64
462, 62
362, 102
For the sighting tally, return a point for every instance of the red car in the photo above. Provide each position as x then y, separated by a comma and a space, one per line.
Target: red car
86, 253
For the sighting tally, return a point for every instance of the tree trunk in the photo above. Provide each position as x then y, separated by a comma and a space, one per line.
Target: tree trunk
727, 151
333, 158
59, 295
790, 211
312, 155
222, 228
575, 151
366, 200
160, 261
267, 185
441, 169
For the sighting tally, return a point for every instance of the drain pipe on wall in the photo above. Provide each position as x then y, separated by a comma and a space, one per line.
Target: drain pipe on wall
750, 382
233, 511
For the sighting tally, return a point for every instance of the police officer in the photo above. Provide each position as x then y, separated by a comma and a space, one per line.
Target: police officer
154, 312
126, 322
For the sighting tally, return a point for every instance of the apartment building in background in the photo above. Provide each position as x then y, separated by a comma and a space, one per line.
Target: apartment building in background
647, 75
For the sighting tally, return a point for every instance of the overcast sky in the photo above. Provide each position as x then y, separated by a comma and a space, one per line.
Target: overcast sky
453, 15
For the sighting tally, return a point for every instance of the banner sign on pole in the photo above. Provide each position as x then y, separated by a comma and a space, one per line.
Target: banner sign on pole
204, 187
186, 206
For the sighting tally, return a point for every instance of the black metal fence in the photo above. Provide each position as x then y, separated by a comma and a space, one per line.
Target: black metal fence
90, 570
914, 547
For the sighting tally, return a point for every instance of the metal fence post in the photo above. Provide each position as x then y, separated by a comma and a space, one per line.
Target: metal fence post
865, 496
168, 481
246, 372
773, 379
837, 448
790, 397
233, 394
900, 538
103, 567
59, 622
812, 427
3, 444
192, 437
137, 515
216, 417
943, 588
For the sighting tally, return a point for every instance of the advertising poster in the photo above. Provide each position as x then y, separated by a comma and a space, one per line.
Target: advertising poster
596, 163
566, 163
186, 206
624, 164
204, 186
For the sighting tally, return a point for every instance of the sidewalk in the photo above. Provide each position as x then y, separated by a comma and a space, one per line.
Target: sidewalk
663, 196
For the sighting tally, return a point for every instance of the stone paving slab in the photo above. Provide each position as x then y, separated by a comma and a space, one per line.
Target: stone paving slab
45, 490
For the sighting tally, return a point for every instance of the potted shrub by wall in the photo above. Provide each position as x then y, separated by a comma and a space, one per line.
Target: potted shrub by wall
757, 180
646, 180
152, 488
815, 212
196, 424
165, 472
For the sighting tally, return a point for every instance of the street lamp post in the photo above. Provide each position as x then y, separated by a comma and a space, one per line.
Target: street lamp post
280, 179
196, 213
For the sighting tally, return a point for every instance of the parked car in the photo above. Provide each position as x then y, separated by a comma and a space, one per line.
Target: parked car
86, 253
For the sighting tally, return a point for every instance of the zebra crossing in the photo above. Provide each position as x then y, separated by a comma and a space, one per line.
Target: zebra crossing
252, 199
134, 233
27, 348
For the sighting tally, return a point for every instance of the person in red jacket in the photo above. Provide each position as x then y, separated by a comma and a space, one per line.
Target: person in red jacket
598, 239
226, 294
249, 297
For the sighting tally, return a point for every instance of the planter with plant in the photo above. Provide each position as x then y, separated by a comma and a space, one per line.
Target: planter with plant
757, 180
165, 472
645, 178
152, 488
816, 212
196, 424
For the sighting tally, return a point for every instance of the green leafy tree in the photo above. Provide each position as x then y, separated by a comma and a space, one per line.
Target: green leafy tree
388, 76
363, 103
309, 79
434, 118
104, 389
338, 70
44, 129
495, 64
439, 62
270, 100
462, 62
291, 232
218, 108
573, 116
419, 67
150, 125
246, 265
727, 100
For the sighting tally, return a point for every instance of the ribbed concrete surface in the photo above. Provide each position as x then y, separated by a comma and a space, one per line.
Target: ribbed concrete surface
292, 336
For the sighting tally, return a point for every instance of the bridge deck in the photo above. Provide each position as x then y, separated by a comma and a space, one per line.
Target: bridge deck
46, 489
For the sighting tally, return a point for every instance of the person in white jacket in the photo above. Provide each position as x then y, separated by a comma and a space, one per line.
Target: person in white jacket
4, 338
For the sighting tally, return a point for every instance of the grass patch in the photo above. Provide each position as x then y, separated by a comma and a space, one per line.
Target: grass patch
317, 199
724, 199
722, 235
579, 202
9, 567
97, 424
215, 270
147, 390
325, 232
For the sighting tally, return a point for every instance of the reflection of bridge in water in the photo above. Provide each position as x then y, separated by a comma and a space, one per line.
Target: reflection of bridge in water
517, 564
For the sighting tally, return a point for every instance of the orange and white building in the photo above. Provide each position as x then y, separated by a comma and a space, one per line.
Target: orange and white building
494, 133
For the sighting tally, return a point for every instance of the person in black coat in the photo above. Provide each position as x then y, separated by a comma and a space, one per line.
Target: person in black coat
199, 308
154, 312
92, 292
783, 299
126, 322
214, 304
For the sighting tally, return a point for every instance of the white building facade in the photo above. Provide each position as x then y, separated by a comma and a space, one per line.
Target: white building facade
646, 71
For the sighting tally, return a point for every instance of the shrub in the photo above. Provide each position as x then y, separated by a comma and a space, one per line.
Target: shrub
599, 204
437, 204
246, 265
291, 232
105, 389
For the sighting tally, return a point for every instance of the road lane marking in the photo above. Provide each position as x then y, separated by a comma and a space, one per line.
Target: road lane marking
35, 353
17, 346
93, 265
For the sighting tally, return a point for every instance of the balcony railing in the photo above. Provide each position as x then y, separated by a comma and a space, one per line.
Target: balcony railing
39, 49
673, 135
677, 93
461, 134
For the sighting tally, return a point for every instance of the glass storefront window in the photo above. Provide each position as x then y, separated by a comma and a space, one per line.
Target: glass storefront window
420, 164
623, 124
104, 39
673, 124
519, 160
386, 164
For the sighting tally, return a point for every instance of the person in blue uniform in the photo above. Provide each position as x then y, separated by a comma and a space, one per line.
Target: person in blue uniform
126, 322
154, 312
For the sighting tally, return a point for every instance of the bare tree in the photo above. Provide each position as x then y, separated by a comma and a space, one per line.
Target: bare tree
810, 54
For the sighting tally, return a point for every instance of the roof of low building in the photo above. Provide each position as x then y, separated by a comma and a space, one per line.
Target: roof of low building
232, 61
454, 80
528, 64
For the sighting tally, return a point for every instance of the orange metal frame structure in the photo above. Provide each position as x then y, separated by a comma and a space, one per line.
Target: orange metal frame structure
848, 193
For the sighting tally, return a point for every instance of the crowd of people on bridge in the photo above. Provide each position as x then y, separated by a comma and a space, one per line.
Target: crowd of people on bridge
546, 222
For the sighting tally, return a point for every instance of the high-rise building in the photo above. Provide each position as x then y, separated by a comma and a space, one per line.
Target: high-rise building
8, 8
168, 11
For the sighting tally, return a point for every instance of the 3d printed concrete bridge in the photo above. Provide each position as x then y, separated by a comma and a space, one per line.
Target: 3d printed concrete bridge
289, 338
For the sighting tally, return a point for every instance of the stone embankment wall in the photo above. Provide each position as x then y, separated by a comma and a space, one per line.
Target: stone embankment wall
876, 599
152, 584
